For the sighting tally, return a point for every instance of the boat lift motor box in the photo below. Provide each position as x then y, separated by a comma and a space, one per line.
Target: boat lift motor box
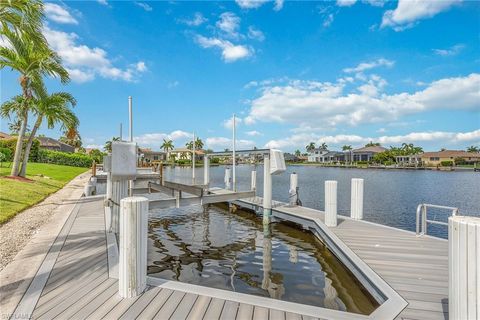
277, 162
107, 163
124, 160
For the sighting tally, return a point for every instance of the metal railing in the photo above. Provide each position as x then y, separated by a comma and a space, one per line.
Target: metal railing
422, 218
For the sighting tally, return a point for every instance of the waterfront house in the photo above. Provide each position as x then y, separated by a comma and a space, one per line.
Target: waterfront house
148, 155
290, 157
332, 157
315, 154
185, 153
4, 136
55, 145
436, 158
366, 153
409, 160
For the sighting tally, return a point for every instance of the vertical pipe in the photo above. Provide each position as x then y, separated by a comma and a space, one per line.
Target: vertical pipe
356, 205
121, 133
267, 190
234, 156
293, 196
119, 191
130, 118
193, 159
132, 278
254, 181
108, 220
331, 203
228, 178
206, 171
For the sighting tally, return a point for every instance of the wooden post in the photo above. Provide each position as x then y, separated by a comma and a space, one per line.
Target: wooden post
356, 205
254, 181
132, 277
228, 178
267, 190
206, 171
331, 203
293, 196
94, 169
464, 267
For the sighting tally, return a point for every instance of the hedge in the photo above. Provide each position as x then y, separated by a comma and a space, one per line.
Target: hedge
6, 154
64, 158
12, 143
446, 163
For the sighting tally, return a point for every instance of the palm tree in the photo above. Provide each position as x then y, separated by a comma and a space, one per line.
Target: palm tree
198, 144
310, 147
347, 147
189, 145
71, 136
24, 17
323, 146
372, 144
32, 61
298, 153
167, 145
108, 144
473, 149
54, 108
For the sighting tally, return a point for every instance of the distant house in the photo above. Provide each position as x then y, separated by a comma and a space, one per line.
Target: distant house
409, 160
366, 153
185, 153
148, 155
332, 157
55, 145
435, 158
4, 136
290, 157
315, 154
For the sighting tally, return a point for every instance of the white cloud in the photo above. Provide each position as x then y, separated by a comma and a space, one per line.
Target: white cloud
173, 84
220, 143
452, 51
255, 34
229, 23
375, 3
278, 5
408, 12
311, 103
253, 133
328, 20
198, 19
58, 14
364, 66
334, 142
144, 6
94, 146
250, 4
104, 2
85, 62
156, 139
230, 52
346, 3
228, 124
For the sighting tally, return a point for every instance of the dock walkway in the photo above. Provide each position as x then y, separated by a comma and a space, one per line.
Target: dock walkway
415, 267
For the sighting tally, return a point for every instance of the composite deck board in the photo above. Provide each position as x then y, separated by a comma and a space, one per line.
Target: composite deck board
79, 286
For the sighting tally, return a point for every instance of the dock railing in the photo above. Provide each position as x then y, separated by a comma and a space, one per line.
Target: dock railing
422, 218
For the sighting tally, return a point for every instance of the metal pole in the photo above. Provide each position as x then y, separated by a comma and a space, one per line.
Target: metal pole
234, 180
130, 118
206, 171
267, 190
121, 134
193, 159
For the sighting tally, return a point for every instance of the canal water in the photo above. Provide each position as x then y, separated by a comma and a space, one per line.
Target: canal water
234, 252
391, 196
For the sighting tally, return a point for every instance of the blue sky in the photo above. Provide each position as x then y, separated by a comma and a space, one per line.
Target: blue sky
342, 72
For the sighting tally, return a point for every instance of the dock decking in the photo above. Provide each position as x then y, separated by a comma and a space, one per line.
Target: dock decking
415, 267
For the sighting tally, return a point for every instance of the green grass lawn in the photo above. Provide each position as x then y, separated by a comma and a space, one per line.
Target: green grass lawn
16, 196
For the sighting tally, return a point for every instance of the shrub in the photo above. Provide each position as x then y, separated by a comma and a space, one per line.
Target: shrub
215, 160
460, 161
12, 143
447, 163
64, 158
6, 154
362, 162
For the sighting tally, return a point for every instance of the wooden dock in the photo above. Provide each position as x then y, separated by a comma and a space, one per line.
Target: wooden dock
74, 280
415, 267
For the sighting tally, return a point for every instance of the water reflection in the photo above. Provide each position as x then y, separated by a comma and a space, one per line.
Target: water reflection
235, 252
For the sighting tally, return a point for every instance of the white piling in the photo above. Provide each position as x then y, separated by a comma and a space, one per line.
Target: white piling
88, 189
331, 203
119, 191
132, 277
193, 159
234, 157
228, 178
253, 183
356, 206
267, 190
293, 196
206, 171
464, 267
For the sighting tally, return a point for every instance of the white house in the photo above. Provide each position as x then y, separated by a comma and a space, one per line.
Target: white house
316, 154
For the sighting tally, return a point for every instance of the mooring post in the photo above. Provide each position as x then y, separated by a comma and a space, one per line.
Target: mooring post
206, 171
119, 191
331, 203
254, 181
108, 202
132, 277
293, 195
228, 178
356, 206
464, 267
267, 190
